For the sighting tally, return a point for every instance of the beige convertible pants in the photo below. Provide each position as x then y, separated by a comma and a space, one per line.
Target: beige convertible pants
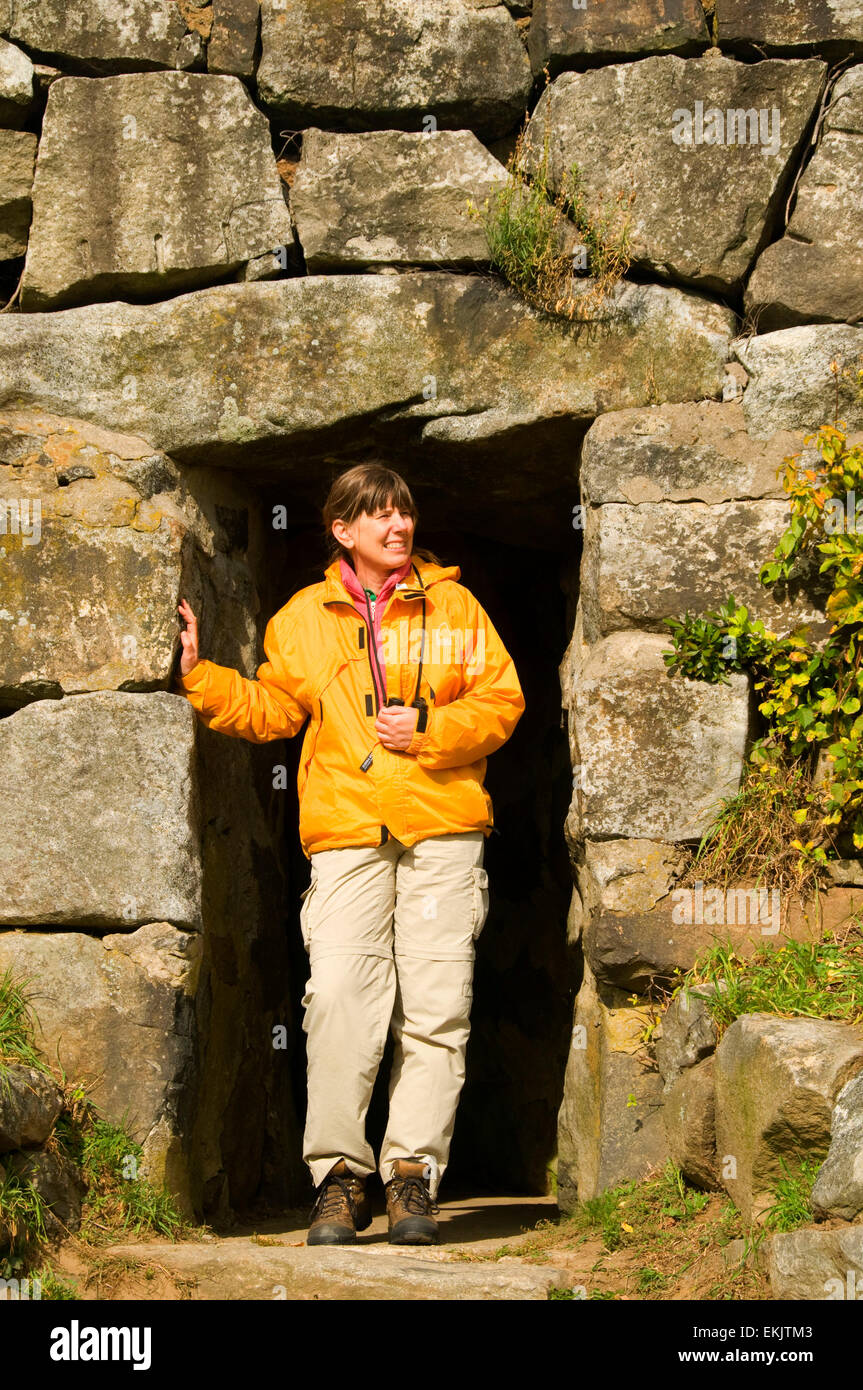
390, 934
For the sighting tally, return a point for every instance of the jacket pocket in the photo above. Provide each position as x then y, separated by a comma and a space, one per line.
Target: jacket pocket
307, 897
480, 898
308, 753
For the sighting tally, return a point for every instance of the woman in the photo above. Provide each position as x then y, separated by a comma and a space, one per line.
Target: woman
407, 689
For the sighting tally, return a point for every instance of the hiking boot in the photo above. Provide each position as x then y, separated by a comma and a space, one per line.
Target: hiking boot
341, 1208
409, 1205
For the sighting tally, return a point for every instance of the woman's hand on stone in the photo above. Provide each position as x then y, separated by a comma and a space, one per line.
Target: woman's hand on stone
189, 638
395, 726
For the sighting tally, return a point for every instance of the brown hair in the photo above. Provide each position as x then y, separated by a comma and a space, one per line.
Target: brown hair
366, 488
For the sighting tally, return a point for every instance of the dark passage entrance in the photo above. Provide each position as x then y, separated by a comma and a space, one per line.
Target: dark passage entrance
505, 1133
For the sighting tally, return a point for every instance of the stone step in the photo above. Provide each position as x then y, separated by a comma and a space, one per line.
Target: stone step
237, 1267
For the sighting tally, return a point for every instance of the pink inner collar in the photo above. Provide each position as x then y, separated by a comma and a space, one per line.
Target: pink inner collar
355, 588
358, 594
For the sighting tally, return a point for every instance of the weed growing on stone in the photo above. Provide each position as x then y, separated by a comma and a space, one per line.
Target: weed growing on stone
118, 1199
17, 1025
22, 1208
752, 837
562, 255
22, 1223
604, 232
793, 1193
802, 979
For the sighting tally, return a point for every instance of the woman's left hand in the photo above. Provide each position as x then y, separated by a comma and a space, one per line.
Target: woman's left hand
395, 726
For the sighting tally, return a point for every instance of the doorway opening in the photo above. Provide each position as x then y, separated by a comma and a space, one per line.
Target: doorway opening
526, 976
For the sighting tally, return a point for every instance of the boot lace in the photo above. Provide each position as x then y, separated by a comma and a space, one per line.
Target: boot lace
413, 1192
333, 1193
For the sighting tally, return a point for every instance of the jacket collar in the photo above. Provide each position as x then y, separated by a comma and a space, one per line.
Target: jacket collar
351, 581
334, 586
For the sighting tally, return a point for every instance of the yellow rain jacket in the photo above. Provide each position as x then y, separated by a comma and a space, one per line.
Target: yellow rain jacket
319, 667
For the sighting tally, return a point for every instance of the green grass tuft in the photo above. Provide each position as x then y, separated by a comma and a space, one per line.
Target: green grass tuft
793, 1193
805, 979
17, 1026
532, 232
22, 1223
118, 1198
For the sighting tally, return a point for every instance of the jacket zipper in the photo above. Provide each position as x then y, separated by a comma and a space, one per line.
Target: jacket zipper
411, 593
373, 645
367, 760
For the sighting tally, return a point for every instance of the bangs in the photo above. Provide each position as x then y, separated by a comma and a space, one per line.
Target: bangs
385, 490
365, 488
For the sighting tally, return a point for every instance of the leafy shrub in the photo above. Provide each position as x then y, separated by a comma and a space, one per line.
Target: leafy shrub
812, 697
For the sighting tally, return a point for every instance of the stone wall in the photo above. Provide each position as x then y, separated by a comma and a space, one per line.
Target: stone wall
236, 247
140, 882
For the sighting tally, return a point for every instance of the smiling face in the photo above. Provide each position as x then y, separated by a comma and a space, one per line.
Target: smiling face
379, 541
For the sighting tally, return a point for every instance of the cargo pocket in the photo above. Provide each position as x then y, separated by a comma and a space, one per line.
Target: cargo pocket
305, 920
480, 898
